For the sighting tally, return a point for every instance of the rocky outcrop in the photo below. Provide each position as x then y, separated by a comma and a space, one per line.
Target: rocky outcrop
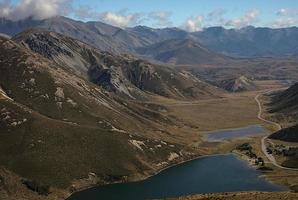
239, 84
123, 75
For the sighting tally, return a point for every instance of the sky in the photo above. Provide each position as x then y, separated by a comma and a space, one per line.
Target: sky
191, 15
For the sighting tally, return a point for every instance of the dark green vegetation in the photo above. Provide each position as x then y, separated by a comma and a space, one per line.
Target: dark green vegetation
56, 153
247, 149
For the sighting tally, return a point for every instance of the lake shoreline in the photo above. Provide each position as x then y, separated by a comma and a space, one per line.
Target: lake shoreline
198, 172
142, 177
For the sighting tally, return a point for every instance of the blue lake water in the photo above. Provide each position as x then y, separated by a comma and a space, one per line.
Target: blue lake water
220, 173
228, 134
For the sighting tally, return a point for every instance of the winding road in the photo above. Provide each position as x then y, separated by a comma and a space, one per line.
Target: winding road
270, 157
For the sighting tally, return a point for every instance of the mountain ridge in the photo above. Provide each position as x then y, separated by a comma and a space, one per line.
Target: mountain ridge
124, 74
245, 42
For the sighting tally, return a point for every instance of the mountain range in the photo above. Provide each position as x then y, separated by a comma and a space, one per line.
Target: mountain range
244, 42
89, 103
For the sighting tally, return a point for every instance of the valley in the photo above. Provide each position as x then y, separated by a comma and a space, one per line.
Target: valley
92, 110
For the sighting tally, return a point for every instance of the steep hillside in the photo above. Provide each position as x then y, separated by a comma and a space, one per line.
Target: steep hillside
60, 130
287, 134
181, 52
284, 106
124, 74
286, 102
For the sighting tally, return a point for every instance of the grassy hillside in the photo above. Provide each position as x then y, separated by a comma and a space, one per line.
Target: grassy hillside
57, 128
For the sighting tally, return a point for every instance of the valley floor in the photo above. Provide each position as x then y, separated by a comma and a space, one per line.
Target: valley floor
198, 118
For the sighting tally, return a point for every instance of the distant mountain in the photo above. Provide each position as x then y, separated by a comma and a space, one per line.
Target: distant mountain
152, 36
244, 42
99, 35
250, 41
124, 74
181, 52
239, 84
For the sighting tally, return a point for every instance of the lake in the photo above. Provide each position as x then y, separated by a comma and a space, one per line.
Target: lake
255, 130
219, 173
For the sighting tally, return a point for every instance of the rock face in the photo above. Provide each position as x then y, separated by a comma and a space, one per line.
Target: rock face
237, 84
124, 74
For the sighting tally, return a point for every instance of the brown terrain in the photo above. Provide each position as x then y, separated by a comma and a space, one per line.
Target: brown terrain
73, 116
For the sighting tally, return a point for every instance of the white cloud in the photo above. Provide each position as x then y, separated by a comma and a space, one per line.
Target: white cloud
121, 18
37, 9
286, 17
124, 18
247, 19
193, 24
284, 22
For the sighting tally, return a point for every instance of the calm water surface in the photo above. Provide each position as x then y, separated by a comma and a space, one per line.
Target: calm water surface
220, 173
255, 130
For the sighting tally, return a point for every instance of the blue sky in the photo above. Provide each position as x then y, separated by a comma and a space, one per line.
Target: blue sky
191, 15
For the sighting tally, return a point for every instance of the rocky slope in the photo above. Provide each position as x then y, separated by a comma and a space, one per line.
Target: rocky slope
239, 84
60, 130
123, 75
